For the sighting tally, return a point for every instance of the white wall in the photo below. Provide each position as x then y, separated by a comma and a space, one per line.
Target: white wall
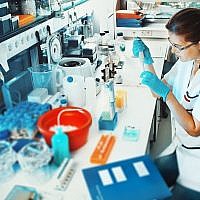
102, 10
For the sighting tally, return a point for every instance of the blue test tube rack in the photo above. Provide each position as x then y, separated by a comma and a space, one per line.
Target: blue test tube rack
108, 119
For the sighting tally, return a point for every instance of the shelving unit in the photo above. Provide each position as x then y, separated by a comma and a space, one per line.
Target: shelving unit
25, 39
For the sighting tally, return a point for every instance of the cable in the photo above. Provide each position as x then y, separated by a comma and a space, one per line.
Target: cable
65, 110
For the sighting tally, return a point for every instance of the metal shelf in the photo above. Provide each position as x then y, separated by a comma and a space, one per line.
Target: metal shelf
27, 38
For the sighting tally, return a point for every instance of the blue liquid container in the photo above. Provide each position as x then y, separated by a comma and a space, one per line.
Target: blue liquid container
60, 145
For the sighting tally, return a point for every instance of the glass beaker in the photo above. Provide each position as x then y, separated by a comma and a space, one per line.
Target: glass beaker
34, 155
46, 76
120, 99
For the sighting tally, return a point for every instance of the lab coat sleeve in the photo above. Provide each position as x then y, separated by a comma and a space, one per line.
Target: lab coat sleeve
196, 109
170, 76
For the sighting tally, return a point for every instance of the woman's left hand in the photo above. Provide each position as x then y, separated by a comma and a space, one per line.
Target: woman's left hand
155, 84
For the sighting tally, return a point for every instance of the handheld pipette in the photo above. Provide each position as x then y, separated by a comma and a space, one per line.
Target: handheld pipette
141, 58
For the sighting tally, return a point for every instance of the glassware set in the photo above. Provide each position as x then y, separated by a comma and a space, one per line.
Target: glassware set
31, 157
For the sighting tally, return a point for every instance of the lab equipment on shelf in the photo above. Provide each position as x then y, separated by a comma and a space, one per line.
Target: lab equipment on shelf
43, 8
120, 47
126, 18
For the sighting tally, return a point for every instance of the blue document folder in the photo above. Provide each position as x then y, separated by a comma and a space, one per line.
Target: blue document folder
132, 179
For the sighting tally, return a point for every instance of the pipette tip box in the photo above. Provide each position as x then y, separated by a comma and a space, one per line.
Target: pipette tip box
108, 124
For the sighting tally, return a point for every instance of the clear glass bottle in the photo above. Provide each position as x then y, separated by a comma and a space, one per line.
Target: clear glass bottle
43, 7
103, 39
120, 46
109, 38
28, 7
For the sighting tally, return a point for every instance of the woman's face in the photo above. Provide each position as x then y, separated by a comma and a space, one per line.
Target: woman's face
185, 51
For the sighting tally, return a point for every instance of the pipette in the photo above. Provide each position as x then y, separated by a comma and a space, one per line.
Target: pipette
141, 58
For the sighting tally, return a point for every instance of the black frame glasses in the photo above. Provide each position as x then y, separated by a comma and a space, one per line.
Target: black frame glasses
181, 48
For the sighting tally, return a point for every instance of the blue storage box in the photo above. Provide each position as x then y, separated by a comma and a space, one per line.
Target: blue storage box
5, 24
15, 22
105, 124
129, 22
3, 9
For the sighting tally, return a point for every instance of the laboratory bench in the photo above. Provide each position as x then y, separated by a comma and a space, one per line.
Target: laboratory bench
138, 113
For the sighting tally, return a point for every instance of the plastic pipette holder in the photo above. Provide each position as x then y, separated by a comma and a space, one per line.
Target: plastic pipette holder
103, 149
131, 133
64, 175
108, 123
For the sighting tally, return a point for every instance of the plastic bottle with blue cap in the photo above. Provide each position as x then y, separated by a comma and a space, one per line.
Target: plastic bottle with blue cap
74, 89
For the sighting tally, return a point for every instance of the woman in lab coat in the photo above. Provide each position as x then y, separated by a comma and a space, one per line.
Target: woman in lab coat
179, 164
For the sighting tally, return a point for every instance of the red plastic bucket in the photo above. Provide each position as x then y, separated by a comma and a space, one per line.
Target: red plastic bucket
72, 116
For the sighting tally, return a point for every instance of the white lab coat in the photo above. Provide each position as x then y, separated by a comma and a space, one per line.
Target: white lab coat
187, 93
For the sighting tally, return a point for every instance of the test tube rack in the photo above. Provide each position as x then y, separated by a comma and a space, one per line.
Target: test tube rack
108, 124
103, 149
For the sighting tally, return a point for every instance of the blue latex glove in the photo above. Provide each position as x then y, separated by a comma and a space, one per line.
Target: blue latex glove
138, 46
155, 84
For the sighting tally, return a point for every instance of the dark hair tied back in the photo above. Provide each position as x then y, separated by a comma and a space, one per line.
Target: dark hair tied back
186, 23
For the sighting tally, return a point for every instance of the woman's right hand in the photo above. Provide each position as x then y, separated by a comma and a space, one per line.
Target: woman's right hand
138, 46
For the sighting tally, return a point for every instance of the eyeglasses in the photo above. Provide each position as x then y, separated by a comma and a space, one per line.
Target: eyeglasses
181, 48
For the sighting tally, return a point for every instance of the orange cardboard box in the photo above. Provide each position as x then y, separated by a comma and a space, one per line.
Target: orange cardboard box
25, 19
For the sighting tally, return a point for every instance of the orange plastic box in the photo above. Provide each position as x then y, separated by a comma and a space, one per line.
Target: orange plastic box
128, 14
103, 149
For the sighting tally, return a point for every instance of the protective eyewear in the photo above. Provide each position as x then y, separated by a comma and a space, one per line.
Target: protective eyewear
181, 48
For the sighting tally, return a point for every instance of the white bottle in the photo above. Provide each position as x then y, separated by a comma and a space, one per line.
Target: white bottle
90, 85
74, 89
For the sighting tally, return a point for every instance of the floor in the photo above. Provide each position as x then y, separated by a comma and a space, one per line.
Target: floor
163, 137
